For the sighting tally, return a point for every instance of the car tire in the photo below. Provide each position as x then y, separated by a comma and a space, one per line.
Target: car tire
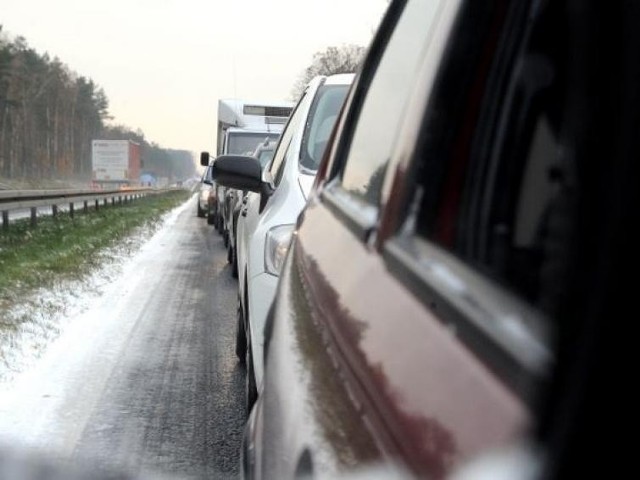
241, 337
210, 219
230, 254
201, 212
225, 238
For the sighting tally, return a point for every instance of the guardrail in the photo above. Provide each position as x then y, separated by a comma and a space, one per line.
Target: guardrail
11, 200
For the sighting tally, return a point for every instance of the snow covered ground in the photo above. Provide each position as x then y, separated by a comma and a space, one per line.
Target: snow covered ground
59, 314
135, 370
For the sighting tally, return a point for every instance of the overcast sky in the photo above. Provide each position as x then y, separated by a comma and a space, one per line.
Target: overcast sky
165, 63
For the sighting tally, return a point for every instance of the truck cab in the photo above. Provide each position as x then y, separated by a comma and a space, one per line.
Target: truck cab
242, 126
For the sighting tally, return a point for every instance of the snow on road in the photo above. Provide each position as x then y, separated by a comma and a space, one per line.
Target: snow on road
143, 376
57, 345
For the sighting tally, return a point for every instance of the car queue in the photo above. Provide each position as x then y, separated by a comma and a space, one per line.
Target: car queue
421, 286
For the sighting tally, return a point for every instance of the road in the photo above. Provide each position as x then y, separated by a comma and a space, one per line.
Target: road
146, 380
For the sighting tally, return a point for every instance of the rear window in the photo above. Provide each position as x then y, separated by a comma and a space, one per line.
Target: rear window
246, 143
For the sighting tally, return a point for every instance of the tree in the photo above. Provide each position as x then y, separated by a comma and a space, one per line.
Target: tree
333, 60
49, 115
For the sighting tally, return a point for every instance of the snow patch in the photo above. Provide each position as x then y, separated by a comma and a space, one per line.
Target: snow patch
33, 323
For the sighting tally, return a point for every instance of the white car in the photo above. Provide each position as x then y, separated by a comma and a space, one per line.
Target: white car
266, 222
264, 153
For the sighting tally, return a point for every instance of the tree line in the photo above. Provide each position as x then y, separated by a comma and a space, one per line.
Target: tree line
49, 115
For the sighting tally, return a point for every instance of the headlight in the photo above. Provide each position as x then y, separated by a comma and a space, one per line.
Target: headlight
276, 247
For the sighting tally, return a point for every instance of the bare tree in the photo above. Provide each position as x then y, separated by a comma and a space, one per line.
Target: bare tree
333, 60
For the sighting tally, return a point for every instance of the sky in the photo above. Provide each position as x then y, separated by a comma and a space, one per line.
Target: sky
165, 63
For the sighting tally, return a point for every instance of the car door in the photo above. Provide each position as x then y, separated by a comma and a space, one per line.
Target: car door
341, 302
402, 267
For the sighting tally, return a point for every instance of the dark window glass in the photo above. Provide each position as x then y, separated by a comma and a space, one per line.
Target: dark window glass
268, 111
277, 111
382, 109
498, 189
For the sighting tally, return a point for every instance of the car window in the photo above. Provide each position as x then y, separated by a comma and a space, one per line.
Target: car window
322, 117
497, 189
380, 114
285, 139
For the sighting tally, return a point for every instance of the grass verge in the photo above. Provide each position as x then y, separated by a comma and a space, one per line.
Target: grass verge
67, 248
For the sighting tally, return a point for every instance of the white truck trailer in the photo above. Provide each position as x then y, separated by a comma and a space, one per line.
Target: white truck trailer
115, 162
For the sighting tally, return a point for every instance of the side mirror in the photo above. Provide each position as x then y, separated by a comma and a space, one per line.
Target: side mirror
238, 171
205, 159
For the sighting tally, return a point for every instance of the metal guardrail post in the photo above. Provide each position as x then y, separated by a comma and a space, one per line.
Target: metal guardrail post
34, 199
85, 207
5, 220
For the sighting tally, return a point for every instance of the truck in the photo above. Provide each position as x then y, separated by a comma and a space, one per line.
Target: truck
242, 126
115, 163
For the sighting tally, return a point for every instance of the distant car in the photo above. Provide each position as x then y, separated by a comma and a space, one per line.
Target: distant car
264, 153
224, 196
266, 222
456, 285
204, 192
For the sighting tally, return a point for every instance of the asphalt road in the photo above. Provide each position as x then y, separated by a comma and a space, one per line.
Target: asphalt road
146, 381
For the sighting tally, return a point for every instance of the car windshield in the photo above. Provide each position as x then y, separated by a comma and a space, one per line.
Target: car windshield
241, 143
323, 115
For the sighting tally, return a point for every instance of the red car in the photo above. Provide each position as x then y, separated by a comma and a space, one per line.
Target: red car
453, 278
